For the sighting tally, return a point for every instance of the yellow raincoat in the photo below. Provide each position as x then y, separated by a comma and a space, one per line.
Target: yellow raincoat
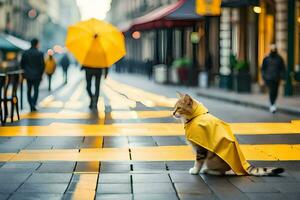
216, 136
50, 66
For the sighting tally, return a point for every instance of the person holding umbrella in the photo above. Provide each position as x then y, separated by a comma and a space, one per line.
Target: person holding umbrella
96, 45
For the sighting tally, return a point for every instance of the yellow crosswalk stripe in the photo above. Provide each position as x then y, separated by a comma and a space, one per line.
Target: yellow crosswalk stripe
140, 129
69, 114
265, 152
85, 187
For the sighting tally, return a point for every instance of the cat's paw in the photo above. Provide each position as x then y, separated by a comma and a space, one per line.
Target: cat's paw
194, 171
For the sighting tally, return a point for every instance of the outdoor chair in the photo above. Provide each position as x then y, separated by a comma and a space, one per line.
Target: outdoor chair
2, 85
10, 96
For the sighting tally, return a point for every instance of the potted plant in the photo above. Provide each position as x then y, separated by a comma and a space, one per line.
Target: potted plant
179, 72
242, 77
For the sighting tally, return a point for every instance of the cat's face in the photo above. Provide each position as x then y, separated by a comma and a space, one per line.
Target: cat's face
184, 107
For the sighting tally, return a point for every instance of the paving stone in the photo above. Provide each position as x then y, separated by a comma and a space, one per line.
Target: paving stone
21, 165
92, 142
7, 188
115, 167
269, 139
63, 167
197, 197
87, 167
35, 196
4, 196
107, 188
287, 187
14, 178
114, 178
150, 178
246, 185
114, 197
222, 188
55, 188
150, 188
265, 196
168, 140
192, 188
295, 174
180, 165
115, 142
50, 178
155, 197
149, 166
291, 196
8, 149
185, 178
16, 170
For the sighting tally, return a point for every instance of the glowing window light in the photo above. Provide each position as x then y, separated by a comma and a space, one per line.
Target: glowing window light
257, 9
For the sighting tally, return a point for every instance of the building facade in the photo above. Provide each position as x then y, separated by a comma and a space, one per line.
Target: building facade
43, 19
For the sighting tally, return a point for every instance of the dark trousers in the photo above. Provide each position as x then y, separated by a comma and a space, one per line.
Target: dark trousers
96, 73
49, 81
65, 75
273, 87
32, 99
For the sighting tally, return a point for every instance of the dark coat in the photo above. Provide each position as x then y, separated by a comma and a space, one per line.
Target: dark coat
33, 64
273, 68
65, 62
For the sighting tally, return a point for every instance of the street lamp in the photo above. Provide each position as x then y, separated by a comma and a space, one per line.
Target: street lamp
136, 35
32, 13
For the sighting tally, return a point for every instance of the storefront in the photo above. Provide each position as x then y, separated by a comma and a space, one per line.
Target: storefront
174, 32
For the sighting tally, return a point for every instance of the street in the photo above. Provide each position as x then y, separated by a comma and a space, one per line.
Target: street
132, 148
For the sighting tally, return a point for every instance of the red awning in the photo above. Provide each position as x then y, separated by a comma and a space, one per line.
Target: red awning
181, 13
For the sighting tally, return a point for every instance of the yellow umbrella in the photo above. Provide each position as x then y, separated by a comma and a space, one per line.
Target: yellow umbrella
95, 43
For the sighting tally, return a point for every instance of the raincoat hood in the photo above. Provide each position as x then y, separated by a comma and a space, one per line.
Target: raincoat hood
216, 136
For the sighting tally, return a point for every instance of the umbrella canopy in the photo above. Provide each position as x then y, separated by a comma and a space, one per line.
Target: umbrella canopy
95, 43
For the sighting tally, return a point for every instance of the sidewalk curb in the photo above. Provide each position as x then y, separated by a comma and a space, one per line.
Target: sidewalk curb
280, 109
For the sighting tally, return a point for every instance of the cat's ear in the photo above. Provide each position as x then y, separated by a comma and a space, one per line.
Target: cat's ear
188, 99
180, 95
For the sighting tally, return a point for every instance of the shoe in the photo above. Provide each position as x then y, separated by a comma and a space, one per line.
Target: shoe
273, 109
33, 109
91, 104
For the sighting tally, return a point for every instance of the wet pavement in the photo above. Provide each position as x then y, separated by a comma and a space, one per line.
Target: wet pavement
132, 148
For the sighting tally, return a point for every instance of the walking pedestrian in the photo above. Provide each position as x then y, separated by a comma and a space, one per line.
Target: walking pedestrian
273, 70
33, 65
95, 73
65, 63
50, 67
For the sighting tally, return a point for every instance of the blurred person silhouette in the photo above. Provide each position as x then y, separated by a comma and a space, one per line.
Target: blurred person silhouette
50, 67
65, 63
32, 62
273, 70
95, 73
